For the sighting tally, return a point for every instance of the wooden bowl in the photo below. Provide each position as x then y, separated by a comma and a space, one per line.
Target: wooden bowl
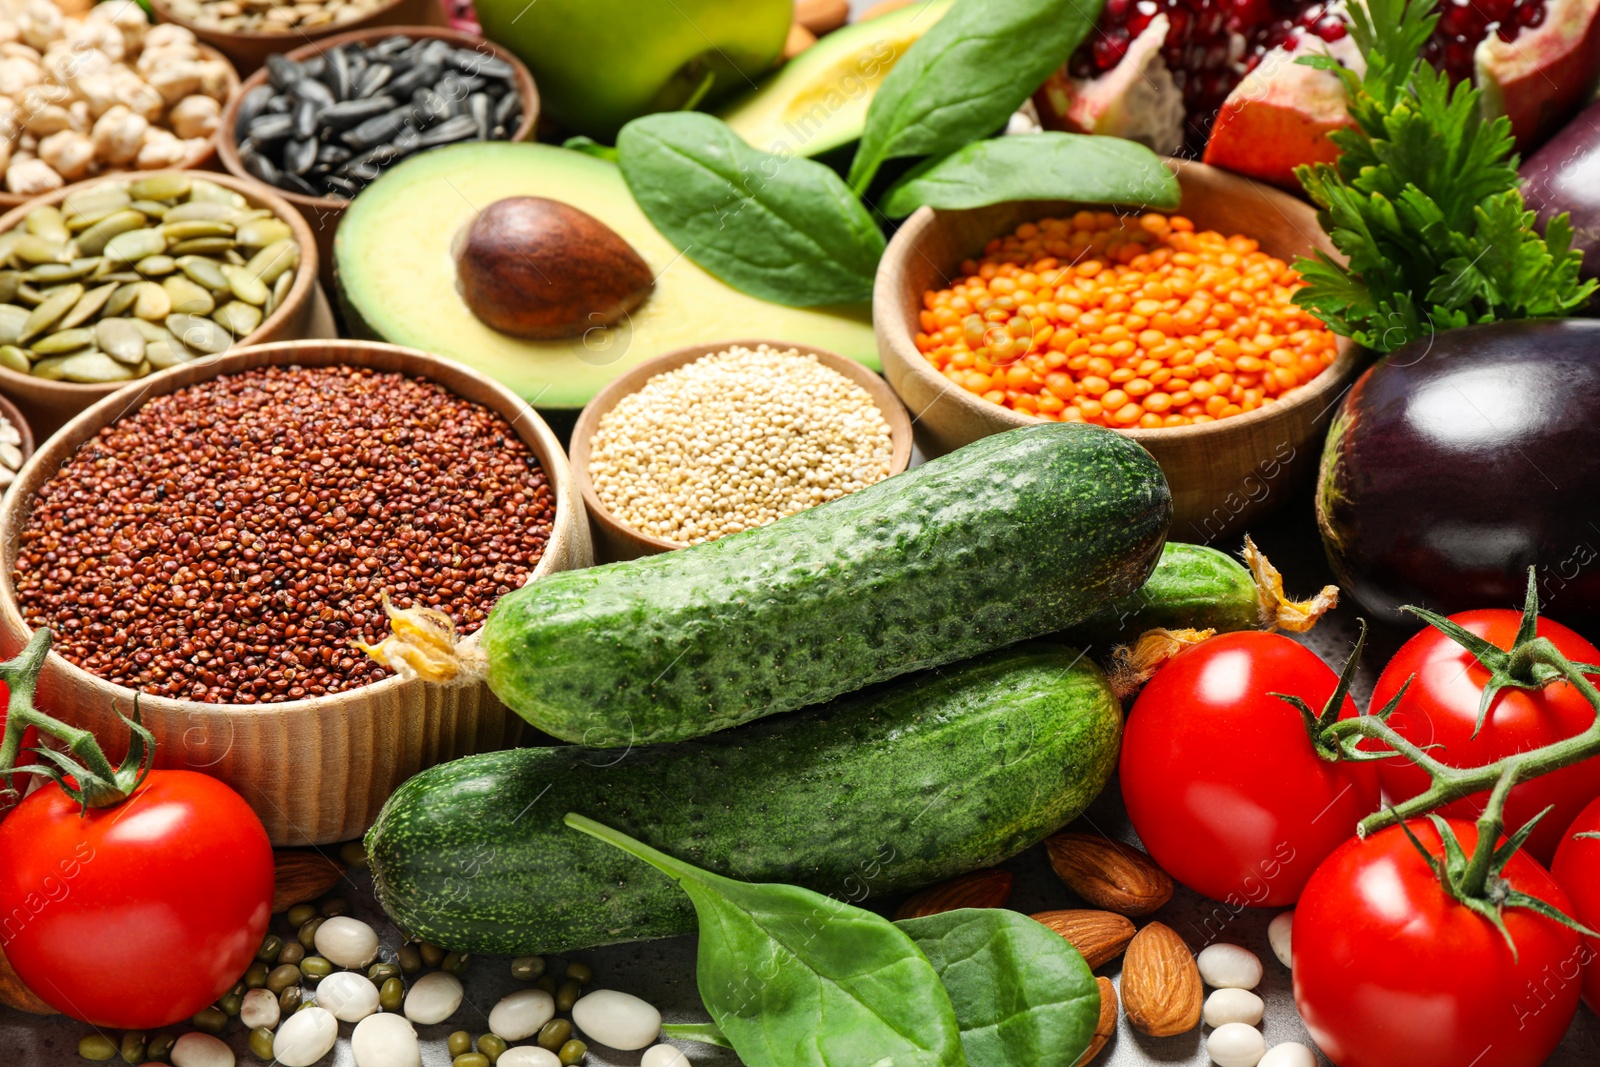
51, 403
1222, 473
206, 160
315, 770
9, 411
614, 539
249, 51
323, 212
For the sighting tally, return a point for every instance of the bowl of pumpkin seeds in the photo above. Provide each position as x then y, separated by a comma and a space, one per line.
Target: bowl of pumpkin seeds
113, 279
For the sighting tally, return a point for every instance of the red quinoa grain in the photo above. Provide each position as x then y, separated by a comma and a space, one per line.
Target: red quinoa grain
226, 543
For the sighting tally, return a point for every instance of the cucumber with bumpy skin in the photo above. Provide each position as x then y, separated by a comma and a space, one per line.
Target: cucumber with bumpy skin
1192, 587
880, 792
1011, 537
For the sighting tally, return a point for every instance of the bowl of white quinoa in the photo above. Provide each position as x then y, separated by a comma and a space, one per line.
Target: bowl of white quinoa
716, 438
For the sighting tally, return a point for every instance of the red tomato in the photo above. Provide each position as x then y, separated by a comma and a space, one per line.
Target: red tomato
1390, 971
1441, 707
1221, 780
1577, 870
135, 916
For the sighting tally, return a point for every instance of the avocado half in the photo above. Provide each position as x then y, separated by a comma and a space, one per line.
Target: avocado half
819, 100
393, 256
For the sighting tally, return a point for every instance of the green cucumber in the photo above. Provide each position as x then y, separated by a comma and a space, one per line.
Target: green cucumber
1012, 537
1192, 587
876, 793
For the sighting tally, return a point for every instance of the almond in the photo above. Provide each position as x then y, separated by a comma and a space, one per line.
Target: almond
301, 877
1109, 874
1105, 1028
980, 889
822, 16
13, 994
1161, 991
1099, 936
798, 41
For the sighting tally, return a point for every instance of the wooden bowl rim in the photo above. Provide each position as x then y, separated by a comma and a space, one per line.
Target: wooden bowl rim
15, 417
895, 323
227, 136
327, 352
10, 200
66, 394
164, 13
887, 401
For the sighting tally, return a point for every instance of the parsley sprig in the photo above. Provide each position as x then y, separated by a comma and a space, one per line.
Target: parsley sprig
1425, 201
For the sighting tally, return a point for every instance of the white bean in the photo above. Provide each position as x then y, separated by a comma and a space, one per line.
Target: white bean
1278, 934
386, 1040
434, 998
1229, 967
305, 1037
201, 1050
1289, 1055
520, 1014
349, 995
1223, 1006
528, 1056
617, 1020
260, 1008
664, 1056
348, 942
1236, 1045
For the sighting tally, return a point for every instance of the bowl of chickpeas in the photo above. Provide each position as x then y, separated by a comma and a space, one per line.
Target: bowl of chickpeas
1177, 328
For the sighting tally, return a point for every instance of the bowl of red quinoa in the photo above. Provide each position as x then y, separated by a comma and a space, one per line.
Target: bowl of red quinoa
220, 541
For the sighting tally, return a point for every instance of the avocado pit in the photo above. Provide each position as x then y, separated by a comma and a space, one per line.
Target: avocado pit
541, 269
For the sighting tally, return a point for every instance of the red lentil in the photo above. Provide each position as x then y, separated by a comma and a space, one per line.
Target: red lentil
227, 543
1126, 322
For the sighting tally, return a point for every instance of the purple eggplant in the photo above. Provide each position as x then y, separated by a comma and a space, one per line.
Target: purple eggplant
1457, 462
1564, 175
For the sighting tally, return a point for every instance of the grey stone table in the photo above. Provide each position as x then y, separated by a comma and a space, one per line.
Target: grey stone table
663, 971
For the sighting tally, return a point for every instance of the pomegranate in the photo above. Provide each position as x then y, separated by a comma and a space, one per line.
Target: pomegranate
1537, 62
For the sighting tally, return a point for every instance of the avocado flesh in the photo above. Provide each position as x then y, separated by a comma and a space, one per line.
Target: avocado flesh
397, 276
819, 100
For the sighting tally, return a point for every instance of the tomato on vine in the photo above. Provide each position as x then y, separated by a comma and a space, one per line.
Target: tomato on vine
130, 898
1474, 693
1400, 960
1577, 870
1222, 778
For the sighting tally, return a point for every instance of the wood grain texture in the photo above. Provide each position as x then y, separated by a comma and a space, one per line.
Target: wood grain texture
248, 51
613, 539
1223, 473
316, 770
50, 403
322, 213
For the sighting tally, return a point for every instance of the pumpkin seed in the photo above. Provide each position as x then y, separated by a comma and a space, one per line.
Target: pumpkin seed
10, 281
183, 231
259, 233
49, 369
121, 276
245, 285
202, 190
47, 222
64, 341
134, 245
238, 317
122, 299
202, 246
92, 242
50, 311
56, 273
270, 263
152, 304
32, 249
121, 340
187, 297
14, 359
28, 296
204, 271
200, 334
155, 266
93, 368
150, 331
164, 354
161, 187
100, 198
88, 306
12, 320
153, 208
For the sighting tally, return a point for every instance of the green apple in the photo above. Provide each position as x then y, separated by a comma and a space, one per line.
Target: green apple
601, 63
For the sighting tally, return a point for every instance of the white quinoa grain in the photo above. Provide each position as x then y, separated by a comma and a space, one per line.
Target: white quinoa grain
734, 440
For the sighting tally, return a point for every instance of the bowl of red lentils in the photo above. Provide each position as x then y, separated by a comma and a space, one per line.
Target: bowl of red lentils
1179, 329
226, 542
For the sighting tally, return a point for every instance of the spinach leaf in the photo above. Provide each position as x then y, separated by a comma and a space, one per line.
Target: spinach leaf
797, 979
1039, 166
783, 228
966, 75
590, 147
1022, 993
704, 1033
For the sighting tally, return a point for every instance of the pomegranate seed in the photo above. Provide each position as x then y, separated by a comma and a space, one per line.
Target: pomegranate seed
1530, 15
1110, 47
1331, 30
1138, 23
